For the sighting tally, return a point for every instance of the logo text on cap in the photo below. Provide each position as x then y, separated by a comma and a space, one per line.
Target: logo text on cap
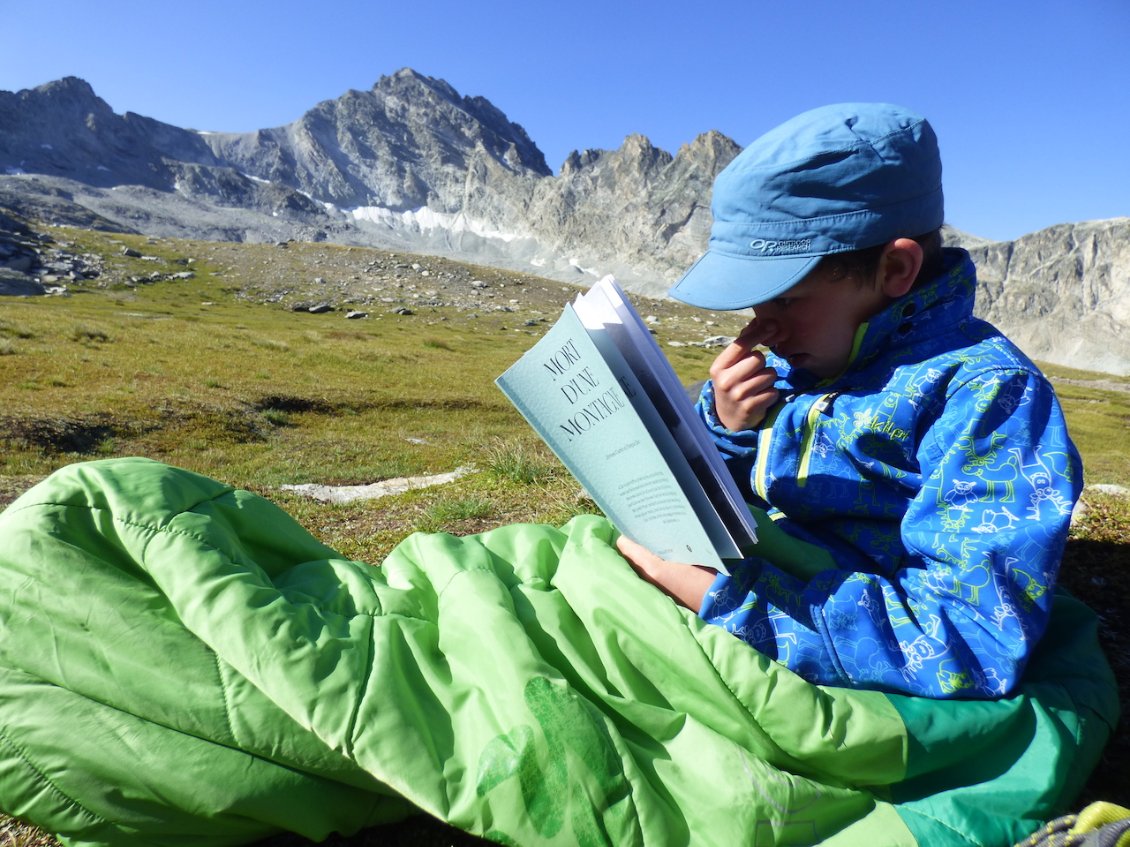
773, 248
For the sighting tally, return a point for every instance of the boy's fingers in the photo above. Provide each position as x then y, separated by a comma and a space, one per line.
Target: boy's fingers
743, 373
633, 551
760, 382
737, 350
742, 346
727, 373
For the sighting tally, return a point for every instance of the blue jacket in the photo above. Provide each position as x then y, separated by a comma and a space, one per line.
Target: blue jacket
920, 503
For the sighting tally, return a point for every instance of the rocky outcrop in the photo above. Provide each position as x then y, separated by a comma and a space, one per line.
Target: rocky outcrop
31, 264
1063, 294
637, 206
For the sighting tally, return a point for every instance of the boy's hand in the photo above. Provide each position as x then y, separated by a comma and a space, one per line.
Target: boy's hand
743, 385
685, 584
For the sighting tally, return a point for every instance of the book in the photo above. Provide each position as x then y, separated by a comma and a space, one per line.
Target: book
599, 391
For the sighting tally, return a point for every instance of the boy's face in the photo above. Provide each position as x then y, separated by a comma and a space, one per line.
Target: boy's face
813, 324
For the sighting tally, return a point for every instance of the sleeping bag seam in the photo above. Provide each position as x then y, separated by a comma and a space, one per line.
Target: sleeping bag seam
17, 506
440, 591
149, 528
98, 819
904, 810
227, 700
355, 717
154, 529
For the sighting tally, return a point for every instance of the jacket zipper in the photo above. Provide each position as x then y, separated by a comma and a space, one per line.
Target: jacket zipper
821, 406
765, 442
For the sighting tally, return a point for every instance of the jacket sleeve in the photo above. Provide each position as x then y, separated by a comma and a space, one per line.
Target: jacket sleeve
971, 593
738, 449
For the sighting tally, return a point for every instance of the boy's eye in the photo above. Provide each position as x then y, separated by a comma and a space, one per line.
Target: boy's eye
784, 302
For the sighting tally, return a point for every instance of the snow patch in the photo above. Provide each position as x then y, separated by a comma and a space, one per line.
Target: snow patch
428, 220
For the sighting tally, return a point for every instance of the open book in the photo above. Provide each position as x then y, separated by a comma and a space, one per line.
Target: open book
602, 395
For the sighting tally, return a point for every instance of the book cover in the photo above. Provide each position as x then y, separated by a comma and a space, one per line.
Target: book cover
586, 400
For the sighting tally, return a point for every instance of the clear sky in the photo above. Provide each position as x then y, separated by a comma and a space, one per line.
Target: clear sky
1030, 98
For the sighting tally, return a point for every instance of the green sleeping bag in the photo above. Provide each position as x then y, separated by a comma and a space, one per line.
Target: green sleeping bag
181, 663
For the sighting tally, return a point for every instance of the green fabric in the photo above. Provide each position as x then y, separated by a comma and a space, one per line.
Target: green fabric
181, 663
789, 553
1042, 746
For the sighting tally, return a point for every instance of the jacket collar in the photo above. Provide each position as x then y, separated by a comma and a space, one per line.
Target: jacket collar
926, 311
895, 333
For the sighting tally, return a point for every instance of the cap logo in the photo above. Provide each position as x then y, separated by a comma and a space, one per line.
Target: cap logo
775, 248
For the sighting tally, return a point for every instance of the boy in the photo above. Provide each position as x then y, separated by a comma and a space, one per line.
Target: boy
915, 464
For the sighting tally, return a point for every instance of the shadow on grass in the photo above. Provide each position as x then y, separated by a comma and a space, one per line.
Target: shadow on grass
1098, 573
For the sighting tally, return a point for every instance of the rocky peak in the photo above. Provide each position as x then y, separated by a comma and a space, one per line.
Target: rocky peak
63, 128
407, 143
68, 92
638, 152
475, 116
578, 159
410, 77
711, 150
69, 104
637, 163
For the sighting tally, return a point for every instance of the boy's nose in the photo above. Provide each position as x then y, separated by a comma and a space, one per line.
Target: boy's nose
770, 330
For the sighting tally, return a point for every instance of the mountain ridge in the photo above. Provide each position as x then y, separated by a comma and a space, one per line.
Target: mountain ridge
412, 164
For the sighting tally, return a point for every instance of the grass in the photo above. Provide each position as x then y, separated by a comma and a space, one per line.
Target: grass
1099, 416
214, 374
201, 375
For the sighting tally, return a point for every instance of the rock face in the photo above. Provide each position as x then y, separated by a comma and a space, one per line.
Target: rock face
1063, 294
410, 142
413, 165
63, 128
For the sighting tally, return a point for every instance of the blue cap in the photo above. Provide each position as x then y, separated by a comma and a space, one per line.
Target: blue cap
830, 180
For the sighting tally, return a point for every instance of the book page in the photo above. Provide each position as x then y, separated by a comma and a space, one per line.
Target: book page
583, 410
605, 305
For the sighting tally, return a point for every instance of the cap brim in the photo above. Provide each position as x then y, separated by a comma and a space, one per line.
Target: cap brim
725, 282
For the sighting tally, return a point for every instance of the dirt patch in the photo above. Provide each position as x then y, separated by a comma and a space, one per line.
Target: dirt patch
290, 403
59, 435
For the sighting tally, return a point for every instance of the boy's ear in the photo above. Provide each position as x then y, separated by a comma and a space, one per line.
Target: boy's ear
899, 266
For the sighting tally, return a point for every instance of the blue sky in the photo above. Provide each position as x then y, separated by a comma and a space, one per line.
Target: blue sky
1031, 100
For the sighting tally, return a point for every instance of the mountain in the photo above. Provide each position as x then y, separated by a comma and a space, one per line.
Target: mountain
63, 128
1063, 293
408, 164
408, 143
412, 164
